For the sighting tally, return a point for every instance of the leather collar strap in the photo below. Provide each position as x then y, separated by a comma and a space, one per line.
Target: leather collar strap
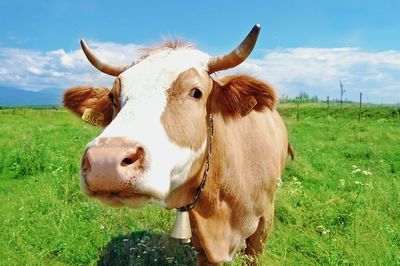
203, 181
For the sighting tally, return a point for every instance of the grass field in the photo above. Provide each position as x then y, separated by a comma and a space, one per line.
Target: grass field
338, 204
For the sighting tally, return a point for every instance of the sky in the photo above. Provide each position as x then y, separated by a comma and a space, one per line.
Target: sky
303, 45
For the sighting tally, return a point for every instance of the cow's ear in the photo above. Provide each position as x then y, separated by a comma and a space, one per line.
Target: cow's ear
241, 94
93, 105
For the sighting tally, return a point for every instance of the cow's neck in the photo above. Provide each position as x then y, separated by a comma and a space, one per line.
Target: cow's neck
217, 177
186, 196
221, 203
200, 188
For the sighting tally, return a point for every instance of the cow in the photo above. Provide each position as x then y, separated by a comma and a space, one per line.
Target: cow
178, 136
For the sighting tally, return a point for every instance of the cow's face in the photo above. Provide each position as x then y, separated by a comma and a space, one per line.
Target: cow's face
155, 120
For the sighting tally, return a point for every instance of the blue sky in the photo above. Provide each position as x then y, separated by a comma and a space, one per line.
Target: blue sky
356, 41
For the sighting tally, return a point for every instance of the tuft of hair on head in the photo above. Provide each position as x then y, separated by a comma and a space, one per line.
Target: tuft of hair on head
176, 43
168, 42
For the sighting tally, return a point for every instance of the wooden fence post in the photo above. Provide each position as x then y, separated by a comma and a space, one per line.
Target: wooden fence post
359, 110
327, 102
342, 91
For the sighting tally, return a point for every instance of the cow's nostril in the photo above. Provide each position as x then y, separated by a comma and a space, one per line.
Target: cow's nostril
128, 161
86, 166
133, 157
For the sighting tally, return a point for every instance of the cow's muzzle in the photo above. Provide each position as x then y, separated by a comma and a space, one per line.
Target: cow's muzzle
111, 166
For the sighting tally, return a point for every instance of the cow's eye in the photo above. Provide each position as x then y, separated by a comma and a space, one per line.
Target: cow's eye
196, 93
112, 99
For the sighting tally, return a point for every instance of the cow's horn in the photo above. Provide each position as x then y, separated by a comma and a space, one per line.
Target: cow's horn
103, 67
238, 55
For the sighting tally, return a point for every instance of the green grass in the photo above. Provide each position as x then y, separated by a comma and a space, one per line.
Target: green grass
327, 211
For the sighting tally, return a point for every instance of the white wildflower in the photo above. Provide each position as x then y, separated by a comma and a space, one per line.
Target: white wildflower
296, 181
369, 185
359, 170
324, 231
356, 170
365, 172
279, 183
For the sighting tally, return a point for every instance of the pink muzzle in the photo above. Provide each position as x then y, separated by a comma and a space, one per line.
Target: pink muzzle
112, 164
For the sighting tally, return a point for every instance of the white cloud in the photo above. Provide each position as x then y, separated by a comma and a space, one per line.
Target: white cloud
37, 70
316, 71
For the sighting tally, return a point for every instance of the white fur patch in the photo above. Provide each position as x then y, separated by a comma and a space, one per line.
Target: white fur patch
180, 172
143, 99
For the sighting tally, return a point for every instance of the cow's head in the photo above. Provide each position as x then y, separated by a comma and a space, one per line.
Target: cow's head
155, 120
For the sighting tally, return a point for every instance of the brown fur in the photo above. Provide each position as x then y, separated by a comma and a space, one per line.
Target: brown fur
248, 156
186, 129
237, 202
78, 99
232, 91
116, 94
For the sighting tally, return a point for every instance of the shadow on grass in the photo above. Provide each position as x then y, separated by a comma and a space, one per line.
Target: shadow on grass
145, 248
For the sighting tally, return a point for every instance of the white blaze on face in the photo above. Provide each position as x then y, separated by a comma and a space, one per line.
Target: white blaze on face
143, 98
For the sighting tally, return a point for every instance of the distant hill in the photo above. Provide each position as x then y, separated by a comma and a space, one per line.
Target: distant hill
18, 97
